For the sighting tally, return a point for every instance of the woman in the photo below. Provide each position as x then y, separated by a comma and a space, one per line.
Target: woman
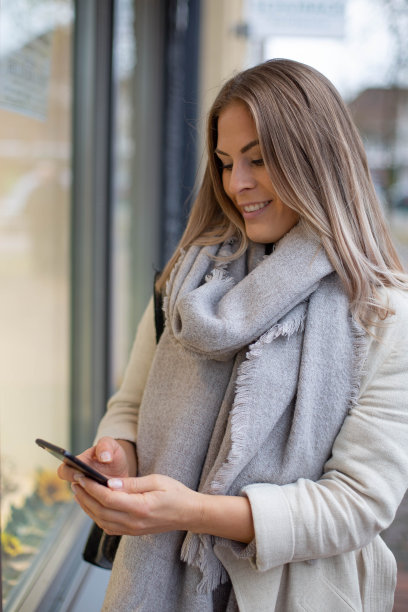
269, 427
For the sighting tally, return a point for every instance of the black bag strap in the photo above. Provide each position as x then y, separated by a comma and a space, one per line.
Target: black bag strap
158, 309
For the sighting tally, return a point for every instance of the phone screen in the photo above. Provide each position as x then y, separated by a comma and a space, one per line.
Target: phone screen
72, 461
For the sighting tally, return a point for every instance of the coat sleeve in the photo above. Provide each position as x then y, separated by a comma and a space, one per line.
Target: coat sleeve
366, 476
120, 420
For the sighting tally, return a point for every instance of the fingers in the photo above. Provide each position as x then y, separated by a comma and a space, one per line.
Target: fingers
108, 519
135, 506
105, 449
101, 494
65, 472
111, 521
143, 484
103, 454
116, 513
113, 458
115, 500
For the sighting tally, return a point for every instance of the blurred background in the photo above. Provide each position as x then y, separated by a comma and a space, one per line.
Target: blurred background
102, 107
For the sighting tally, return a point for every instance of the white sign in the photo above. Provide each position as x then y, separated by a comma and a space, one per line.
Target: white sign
25, 77
296, 18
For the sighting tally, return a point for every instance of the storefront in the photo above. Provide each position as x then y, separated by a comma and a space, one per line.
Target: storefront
102, 104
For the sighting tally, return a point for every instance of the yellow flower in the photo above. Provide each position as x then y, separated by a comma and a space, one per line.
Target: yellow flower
11, 545
51, 489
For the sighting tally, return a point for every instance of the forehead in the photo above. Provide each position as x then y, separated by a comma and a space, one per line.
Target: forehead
235, 125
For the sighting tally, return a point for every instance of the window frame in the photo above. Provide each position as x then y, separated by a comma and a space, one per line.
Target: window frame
91, 210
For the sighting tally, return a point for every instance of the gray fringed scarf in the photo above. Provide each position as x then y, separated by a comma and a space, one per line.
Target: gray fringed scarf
251, 382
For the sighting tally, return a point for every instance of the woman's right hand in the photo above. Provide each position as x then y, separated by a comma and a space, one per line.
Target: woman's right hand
113, 458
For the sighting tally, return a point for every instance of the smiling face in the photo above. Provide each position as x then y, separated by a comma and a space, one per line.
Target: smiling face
245, 178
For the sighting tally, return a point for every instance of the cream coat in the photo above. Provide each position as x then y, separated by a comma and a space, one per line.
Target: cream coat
317, 543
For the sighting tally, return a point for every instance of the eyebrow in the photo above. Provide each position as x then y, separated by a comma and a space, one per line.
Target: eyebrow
244, 149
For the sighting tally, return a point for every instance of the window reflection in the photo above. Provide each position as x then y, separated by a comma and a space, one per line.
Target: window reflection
35, 151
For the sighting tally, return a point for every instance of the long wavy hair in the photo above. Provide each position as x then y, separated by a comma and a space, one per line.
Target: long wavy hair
318, 166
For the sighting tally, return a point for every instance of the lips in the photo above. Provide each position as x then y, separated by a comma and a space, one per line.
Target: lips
252, 208
248, 208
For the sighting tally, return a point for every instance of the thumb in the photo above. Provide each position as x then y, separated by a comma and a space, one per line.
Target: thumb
105, 449
141, 484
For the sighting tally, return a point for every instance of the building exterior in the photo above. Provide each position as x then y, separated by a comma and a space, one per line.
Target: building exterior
102, 108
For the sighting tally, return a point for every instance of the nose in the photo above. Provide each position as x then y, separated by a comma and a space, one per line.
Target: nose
241, 178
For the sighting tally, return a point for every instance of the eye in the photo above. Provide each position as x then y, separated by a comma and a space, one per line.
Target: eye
257, 162
226, 167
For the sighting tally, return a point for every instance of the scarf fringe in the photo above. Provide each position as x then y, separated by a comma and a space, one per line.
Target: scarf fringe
197, 551
219, 274
220, 270
241, 409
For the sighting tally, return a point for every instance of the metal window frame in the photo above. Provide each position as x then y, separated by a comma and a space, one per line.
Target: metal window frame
180, 154
49, 581
147, 189
92, 136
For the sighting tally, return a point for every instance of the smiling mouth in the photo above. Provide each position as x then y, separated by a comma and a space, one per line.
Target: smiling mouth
254, 207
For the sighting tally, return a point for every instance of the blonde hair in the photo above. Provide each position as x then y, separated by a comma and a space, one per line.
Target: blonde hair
318, 166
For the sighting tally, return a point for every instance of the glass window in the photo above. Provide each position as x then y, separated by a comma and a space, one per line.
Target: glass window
35, 174
136, 177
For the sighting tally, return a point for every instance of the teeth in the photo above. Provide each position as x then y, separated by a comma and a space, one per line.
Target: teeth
254, 207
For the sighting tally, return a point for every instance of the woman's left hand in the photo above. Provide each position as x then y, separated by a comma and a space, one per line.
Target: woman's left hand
138, 506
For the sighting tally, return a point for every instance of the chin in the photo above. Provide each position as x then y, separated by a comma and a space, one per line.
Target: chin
266, 237
261, 240
263, 237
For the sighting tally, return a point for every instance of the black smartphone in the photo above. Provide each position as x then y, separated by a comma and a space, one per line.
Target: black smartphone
72, 461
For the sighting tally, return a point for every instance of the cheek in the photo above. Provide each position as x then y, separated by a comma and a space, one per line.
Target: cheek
285, 211
289, 217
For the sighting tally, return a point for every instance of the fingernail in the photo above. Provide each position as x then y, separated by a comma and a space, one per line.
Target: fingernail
78, 477
74, 488
115, 483
105, 457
